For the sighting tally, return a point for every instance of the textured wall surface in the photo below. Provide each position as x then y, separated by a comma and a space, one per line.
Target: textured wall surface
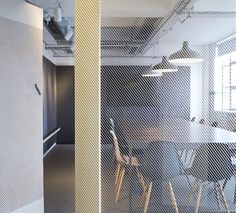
87, 106
21, 118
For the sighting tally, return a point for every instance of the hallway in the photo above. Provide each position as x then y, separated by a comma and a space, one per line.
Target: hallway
59, 180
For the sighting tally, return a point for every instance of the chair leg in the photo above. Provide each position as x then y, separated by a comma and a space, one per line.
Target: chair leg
235, 194
120, 183
223, 199
117, 172
113, 155
118, 178
140, 177
217, 194
145, 189
143, 197
194, 188
234, 189
172, 197
198, 197
147, 197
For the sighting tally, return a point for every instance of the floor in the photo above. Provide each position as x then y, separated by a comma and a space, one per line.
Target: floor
59, 187
180, 186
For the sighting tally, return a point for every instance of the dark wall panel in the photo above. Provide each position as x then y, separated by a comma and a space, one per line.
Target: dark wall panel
175, 94
49, 101
65, 104
126, 87
125, 94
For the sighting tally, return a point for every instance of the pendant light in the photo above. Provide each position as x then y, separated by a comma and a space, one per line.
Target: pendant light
69, 33
151, 73
185, 56
58, 14
164, 66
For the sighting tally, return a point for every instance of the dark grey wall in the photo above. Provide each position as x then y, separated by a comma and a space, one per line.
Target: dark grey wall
49, 101
175, 93
65, 104
126, 86
58, 103
125, 94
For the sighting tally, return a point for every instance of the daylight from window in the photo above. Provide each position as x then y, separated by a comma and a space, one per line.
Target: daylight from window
225, 81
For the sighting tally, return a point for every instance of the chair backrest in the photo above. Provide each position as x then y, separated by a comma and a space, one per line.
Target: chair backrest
212, 162
202, 121
160, 161
118, 155
112, 125
193, 119
120, 135
215, 124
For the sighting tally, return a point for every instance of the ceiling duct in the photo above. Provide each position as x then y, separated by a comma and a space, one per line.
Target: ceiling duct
56, 47
54, 29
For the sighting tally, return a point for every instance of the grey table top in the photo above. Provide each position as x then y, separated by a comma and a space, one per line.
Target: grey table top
177, 131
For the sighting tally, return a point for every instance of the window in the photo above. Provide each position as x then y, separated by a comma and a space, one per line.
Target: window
225, 81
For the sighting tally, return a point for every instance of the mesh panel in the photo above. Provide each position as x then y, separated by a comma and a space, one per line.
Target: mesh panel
178, 151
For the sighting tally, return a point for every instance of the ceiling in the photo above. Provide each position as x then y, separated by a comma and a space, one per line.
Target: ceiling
49, 5
136, 8
132, 28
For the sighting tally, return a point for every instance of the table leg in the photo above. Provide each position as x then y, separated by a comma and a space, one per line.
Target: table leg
130, 182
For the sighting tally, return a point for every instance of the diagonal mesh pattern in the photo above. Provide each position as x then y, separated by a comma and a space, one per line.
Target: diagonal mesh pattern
87, 132
175, 133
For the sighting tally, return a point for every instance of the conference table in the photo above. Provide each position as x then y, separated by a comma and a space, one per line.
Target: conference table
174, 130
183, 133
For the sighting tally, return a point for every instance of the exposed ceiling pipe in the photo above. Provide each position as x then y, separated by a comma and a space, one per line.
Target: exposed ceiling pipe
57, 47
63, 55
210, 14
131, 56
118, 44
167, 23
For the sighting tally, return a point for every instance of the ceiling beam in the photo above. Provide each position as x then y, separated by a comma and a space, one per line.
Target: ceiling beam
166, 24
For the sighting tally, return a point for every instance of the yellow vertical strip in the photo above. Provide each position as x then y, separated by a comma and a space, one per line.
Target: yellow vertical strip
87, 106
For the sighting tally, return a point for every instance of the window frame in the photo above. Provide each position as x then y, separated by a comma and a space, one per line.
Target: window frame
230, 87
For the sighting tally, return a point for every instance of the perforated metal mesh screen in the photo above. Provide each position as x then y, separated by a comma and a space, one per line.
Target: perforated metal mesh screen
172, 144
